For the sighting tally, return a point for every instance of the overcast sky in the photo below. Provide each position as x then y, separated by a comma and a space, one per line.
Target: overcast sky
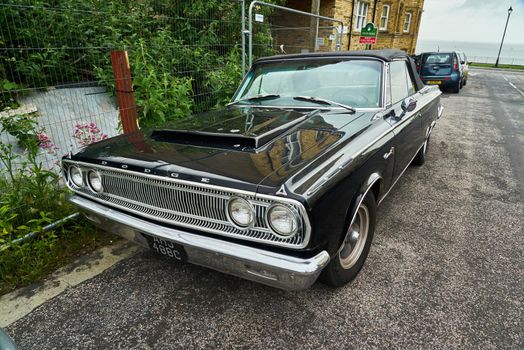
472, 20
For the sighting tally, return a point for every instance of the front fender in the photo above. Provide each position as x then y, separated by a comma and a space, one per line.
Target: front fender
359, 196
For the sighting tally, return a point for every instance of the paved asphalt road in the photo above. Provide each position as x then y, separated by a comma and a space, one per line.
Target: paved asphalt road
445, 270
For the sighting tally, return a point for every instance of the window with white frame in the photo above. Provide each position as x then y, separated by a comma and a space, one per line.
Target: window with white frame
362, 10
384, 18
407, 22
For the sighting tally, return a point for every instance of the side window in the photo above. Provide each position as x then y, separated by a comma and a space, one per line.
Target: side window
411, 83
399, 83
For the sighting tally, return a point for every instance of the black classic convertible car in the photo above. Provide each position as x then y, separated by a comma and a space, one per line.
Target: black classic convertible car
281, 186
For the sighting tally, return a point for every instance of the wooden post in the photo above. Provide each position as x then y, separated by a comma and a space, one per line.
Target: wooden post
124, 91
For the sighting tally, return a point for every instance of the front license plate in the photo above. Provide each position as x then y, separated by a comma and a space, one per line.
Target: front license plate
167, 248
434, 82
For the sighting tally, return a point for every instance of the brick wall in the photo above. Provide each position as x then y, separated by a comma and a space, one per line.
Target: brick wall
393, 37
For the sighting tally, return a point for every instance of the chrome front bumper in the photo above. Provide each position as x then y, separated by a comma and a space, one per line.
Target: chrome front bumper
277, 270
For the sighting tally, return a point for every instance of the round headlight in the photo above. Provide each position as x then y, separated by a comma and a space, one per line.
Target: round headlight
75, 174
240, 212
95, 181
282, 220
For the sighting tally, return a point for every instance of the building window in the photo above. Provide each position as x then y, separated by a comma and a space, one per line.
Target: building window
407, 22
362, 11
384, 18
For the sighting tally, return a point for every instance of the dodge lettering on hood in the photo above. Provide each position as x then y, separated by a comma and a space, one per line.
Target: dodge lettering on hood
280, 186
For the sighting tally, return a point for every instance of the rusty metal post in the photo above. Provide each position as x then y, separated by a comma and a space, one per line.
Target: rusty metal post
124, 91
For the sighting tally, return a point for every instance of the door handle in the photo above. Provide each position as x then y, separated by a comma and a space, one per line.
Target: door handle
387, 155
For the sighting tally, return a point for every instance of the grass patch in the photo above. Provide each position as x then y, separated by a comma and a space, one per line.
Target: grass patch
492, 65
36, 259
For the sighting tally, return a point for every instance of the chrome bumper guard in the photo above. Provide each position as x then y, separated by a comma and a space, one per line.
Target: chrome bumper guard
273, 269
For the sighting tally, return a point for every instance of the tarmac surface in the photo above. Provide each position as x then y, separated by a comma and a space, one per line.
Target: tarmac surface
445, 271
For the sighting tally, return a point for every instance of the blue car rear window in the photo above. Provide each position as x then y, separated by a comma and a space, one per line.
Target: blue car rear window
443, 58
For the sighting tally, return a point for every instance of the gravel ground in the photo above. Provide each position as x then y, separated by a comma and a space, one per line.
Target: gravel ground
445, 270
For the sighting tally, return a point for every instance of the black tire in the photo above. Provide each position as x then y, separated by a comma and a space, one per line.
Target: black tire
456, 89
336, 274
461, 84
420, 158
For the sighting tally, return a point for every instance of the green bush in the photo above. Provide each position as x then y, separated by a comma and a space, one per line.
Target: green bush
185, 55
30, 195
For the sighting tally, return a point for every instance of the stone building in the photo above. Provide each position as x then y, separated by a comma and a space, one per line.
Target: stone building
398, 23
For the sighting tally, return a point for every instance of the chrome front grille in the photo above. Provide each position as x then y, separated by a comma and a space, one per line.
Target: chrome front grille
185, 204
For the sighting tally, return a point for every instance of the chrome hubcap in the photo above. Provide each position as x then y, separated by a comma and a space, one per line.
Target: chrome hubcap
355, 238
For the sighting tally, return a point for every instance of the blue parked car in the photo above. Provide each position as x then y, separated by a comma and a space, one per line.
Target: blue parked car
442, 69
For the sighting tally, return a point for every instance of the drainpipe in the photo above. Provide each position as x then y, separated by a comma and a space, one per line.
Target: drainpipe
373, 18
351, 24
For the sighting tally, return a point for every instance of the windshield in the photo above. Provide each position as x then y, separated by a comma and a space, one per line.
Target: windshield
356, 83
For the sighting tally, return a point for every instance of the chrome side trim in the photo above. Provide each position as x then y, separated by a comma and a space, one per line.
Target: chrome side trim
195, 217
274, 269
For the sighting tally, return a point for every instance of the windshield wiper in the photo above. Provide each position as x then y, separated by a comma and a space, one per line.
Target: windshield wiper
323, 101
256, 98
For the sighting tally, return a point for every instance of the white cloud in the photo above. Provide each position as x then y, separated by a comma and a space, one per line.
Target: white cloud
472, 20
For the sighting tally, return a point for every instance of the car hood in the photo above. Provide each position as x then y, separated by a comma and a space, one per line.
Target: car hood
238, 147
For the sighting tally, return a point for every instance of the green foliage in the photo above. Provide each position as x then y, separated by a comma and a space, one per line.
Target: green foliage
225, 81
30, 194
184, 55
20, 126
32, 260
7, 98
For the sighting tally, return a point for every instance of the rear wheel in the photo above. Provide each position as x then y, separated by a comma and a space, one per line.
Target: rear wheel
456, 88
345, 266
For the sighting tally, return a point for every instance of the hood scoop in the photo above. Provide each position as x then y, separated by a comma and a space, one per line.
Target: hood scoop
246, 133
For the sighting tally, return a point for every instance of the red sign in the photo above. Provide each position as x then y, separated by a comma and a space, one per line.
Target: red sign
368, 40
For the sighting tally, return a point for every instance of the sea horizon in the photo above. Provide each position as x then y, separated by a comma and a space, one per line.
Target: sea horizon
482, 52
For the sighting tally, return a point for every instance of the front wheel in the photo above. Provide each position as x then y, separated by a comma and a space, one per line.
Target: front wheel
346, 264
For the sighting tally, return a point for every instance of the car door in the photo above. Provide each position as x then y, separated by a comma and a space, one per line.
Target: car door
407, 124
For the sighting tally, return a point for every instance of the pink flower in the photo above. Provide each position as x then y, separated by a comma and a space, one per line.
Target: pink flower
88, 133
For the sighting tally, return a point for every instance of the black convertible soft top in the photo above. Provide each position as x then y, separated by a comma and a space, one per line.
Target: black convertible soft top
386, 55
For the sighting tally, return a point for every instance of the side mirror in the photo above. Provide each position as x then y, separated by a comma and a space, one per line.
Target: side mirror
409, 104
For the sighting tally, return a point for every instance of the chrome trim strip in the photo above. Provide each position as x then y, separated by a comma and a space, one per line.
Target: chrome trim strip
274, 269
262, 200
